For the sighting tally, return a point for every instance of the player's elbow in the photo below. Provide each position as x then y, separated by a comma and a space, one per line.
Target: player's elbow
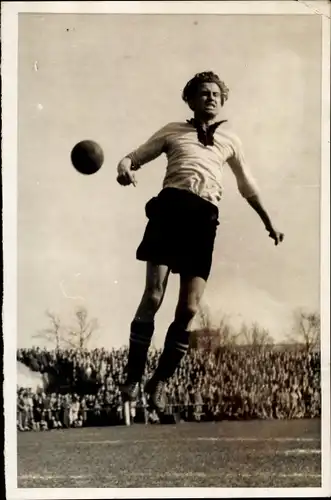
250, 195
248, 189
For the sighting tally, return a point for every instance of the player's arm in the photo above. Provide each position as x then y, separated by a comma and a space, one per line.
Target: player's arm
147, 152
249, 190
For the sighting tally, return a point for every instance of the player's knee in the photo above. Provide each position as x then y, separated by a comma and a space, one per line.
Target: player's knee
153, 297
192, 309
186, 311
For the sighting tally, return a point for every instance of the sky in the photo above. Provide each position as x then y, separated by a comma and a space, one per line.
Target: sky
117, 79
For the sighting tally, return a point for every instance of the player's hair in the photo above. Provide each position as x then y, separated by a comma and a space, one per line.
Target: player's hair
192, 86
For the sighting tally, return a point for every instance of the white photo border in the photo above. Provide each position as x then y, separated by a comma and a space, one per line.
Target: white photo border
9, 28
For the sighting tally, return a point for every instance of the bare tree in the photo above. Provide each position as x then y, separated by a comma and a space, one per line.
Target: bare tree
204, 318
255, 336
210, 336
53, 332
227, 334
79, 335
201, 337
306, 329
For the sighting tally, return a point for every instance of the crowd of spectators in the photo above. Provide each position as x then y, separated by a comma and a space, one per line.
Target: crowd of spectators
233, 383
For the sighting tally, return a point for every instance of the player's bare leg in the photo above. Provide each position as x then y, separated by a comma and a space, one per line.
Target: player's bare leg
177, 339
142, 327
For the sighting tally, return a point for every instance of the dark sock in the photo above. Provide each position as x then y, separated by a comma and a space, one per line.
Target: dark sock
175, 347
140, 339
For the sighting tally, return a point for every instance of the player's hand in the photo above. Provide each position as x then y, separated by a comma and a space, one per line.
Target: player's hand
275, 235
125, 176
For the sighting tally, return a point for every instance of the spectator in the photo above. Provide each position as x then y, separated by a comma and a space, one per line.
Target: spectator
21, 411
233, 383
74, 411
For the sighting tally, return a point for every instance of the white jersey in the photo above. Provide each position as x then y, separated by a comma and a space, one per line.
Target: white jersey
193, 166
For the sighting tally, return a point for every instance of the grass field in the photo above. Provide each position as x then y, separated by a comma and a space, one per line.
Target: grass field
226, 454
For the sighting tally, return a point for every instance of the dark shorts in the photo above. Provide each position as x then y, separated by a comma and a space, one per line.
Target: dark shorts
180, 233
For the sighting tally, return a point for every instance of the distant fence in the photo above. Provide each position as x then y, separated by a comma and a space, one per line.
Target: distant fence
94, 417
103, 416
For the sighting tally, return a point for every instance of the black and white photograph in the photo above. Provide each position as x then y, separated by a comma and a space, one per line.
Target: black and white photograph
166, 239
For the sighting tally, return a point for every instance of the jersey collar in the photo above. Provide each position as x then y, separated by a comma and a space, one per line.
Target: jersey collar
205, 134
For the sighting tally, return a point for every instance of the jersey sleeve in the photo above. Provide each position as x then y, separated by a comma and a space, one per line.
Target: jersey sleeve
245, 181
151, 149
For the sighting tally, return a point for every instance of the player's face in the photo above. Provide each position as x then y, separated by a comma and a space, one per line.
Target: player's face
207, 101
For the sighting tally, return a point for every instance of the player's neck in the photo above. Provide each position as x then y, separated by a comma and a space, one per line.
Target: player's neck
205, 120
